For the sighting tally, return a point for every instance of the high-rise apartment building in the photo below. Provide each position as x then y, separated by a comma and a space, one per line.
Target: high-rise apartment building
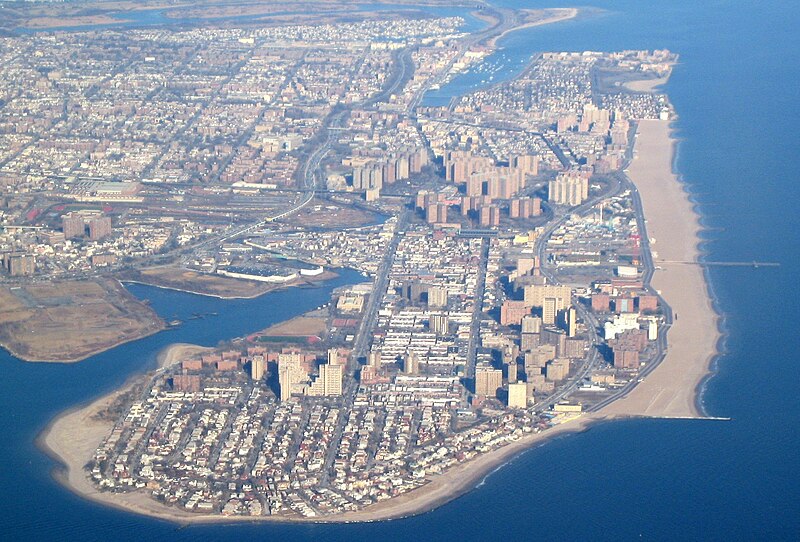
518, 395
488, 380
568, 189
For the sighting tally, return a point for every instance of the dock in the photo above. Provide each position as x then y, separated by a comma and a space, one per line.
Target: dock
753, 264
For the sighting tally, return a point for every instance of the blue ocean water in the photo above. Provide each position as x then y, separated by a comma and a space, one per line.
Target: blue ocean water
736, 93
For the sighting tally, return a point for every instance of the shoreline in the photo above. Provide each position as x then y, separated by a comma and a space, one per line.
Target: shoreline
675, 386
146, 332
84, 357
702, 252
187, 291
560, 15
329, 275
461, 479
674, 389
72, 437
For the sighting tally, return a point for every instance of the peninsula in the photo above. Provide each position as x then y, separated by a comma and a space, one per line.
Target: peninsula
67, 321
513, 290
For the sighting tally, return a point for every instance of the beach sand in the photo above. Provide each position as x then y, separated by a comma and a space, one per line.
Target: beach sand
72, 438
461, 479
646, 85
554, 15
671, 389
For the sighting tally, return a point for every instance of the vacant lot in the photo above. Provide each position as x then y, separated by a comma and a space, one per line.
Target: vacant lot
71, 320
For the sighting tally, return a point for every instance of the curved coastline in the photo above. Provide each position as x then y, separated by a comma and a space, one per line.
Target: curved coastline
674, 388
559, 15
721, 317
71, 454
702, 252
661, 394
83, 357
71, 437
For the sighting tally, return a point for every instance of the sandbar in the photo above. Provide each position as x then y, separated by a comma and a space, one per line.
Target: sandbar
554, 15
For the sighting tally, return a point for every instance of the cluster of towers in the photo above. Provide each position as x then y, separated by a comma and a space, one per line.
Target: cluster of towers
378, 173
570, 188
76, 225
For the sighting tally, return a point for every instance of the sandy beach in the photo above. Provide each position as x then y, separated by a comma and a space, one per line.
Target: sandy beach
646, 85
558, 15
72, 438
671, 389
463, 478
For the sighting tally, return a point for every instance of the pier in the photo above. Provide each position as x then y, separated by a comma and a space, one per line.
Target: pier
752, 264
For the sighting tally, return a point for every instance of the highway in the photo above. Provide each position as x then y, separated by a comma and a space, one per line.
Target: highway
361, 345
622, 182
647, 276
477, 312
309, 167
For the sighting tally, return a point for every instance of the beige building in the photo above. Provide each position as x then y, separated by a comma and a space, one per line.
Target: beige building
518, 395
558, 369
374, 359
350, 302
550, 308
572, 322
531, 324
439, 324
511, 371
333, 357
568, 189
292, 377
487, 380
437, 297
258, 367
535, 294
328, 383
410, 363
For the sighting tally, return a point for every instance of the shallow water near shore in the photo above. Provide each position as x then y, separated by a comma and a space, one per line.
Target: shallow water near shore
735, 92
